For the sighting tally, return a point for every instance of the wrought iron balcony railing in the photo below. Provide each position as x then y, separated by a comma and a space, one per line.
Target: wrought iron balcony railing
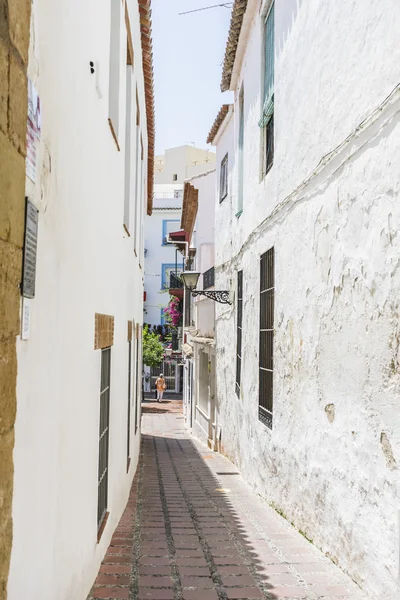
175, 282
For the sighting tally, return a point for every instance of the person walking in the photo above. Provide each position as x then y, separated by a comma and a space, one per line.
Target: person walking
161, 386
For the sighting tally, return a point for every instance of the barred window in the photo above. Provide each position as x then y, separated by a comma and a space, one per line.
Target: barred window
267, 287
104, 435
128, 449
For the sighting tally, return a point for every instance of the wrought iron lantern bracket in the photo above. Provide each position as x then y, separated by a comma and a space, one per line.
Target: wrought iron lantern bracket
221, 296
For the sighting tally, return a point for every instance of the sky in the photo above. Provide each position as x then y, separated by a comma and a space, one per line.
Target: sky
188, 54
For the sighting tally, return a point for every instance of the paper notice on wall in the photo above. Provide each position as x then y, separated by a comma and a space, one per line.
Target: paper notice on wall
33, 130
26, 318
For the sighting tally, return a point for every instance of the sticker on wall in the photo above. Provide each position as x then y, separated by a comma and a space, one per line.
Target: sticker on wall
33, 130
25, 318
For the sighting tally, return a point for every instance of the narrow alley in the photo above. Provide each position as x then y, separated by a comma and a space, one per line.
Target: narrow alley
194, 530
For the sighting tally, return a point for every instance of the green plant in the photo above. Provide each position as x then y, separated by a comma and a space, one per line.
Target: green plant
153, 350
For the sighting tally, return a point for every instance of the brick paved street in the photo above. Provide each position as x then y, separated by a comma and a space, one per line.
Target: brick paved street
193, 530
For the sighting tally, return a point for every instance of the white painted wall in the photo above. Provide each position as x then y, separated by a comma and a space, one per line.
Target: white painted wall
85, 264
182, 161
334, 228
157, 254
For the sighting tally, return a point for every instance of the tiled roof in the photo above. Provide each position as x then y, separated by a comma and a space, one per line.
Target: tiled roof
189, 208
147, 53
223, 111
238, 10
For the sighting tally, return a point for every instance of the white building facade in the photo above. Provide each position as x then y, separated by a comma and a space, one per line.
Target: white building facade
307, 395
199, 312
77, 432
162, 259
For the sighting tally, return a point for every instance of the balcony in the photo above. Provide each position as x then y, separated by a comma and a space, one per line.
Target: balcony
176, 286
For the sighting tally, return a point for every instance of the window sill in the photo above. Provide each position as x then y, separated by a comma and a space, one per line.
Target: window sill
114, 134
239, 213
102, 526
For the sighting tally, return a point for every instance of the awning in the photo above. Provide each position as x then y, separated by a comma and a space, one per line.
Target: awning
179, 236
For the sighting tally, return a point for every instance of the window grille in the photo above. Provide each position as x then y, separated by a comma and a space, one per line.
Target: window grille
266, 367
128, 449
239, 331
104, 435
223, 180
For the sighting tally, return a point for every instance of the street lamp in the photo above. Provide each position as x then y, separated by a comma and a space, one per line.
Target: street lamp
190, 279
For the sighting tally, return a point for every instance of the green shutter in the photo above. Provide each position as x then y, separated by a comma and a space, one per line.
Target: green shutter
269, 40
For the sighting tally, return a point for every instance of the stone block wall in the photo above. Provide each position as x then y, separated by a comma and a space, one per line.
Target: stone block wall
14, 45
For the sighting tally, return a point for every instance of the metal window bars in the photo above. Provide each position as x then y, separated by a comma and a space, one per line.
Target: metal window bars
266, 366
104, 435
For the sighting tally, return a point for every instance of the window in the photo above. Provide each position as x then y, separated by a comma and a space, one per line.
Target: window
239, 331
104, 436
168, 226
115, 52
137, 175
269, 144
240, 153
223, 179
128, 142
166, 270
137, 380
174, 177
128, 450
266, 367
267, 117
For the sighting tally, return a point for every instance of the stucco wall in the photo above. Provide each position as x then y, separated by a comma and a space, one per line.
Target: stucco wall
86, 264
330, 462
14, 43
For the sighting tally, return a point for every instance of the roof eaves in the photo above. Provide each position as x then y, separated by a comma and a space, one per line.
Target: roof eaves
189, 209
199, 175
238, 10
148, 74
220, 118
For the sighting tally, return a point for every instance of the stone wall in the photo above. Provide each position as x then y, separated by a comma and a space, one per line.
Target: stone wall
14, 44
329, 206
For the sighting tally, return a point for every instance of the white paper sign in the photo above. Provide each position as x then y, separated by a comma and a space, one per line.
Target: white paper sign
33, 130
26, 318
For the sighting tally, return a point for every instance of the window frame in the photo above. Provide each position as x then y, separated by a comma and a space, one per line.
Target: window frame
164, 229
240, 154
267, 122
164, 268
114, 83
223, 190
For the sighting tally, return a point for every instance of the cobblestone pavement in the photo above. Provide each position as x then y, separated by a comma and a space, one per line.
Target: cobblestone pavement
193, 530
